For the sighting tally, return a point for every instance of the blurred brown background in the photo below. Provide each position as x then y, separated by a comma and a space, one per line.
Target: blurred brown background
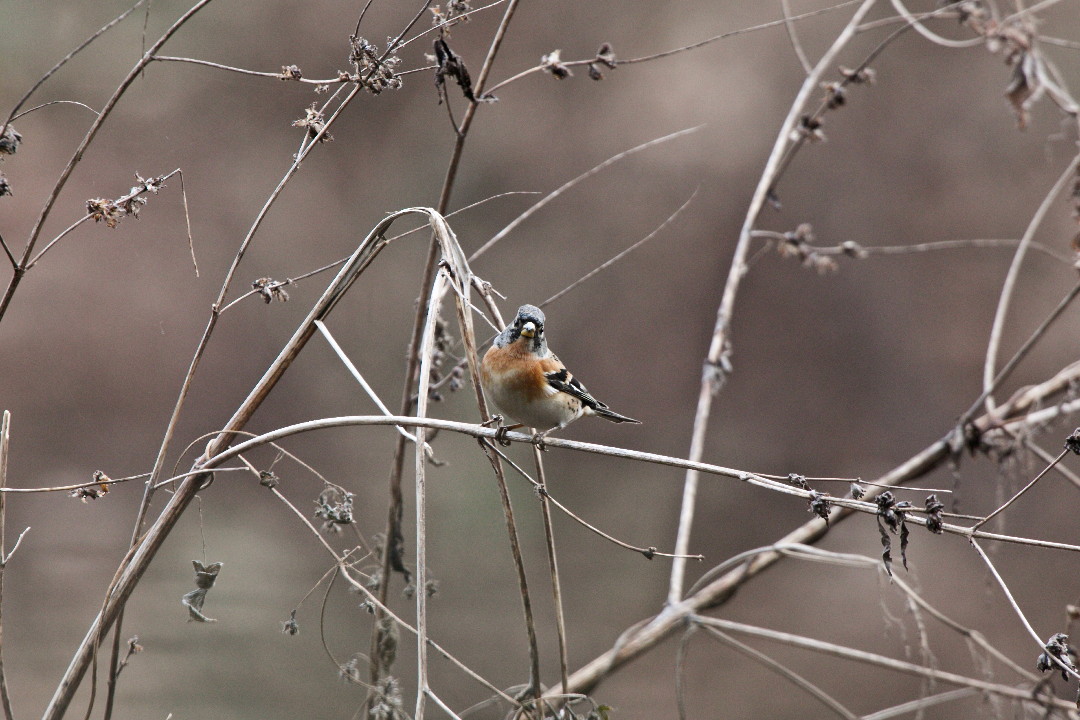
842, 374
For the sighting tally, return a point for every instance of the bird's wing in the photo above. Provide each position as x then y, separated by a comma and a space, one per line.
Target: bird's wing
560, 378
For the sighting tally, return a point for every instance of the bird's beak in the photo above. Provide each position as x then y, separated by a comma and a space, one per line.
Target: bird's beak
528, 329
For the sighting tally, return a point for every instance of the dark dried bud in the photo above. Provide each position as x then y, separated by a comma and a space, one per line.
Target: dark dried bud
933, 514
1072, 443
798, 481
820, 505
10, 141
552, 63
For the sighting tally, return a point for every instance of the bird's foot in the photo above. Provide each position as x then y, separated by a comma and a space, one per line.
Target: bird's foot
538, 440
500, 435
500, 430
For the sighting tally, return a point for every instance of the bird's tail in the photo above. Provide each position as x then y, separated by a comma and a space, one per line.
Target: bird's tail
614, 416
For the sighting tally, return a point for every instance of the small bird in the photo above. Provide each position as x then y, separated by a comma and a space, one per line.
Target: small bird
527, 382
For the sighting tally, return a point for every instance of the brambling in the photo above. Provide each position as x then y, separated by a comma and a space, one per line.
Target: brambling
527, 382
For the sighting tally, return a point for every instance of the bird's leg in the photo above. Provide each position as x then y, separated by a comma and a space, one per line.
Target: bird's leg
501, 430
538, 439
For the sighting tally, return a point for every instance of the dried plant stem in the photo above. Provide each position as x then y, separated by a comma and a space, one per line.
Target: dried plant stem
64, 60
89, 216
718, 591
1023, 490
780, 669
913, 468
682, 49
553, 566
622, 253
921, 704
1009, 285
519, 565
131, 570
106, 111
1020, 613
342, 564
571, 183
5, 446
714, 366
412, 363
789, 25
1048, 458
648, 552
1017, 693
859, 251
427, 351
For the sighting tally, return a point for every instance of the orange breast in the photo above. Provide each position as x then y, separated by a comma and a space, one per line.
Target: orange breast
515, 370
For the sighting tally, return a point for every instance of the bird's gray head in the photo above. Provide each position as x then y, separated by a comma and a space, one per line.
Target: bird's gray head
529, 324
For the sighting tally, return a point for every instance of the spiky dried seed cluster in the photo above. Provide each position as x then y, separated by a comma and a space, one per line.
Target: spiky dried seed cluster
315, 122
113, 211
10, 141
455, 12
335, 508
373, 72
1057, 647
271, 289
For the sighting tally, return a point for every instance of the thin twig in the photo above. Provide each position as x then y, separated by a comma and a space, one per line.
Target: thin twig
541, 490
553, 566
826, 648
933, 37
785, 672
438, 701
355, 372
394, 510
54, 102
571, 183
7, 251
789, 25
1048, 458
682, 49
716, 361
1009, 286
622, 254
921, 704
243, 71
1020, 613
139, 190
909, 470
5, 447
1023, 490
1020, 354
106, 111
64, 60
855, 250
